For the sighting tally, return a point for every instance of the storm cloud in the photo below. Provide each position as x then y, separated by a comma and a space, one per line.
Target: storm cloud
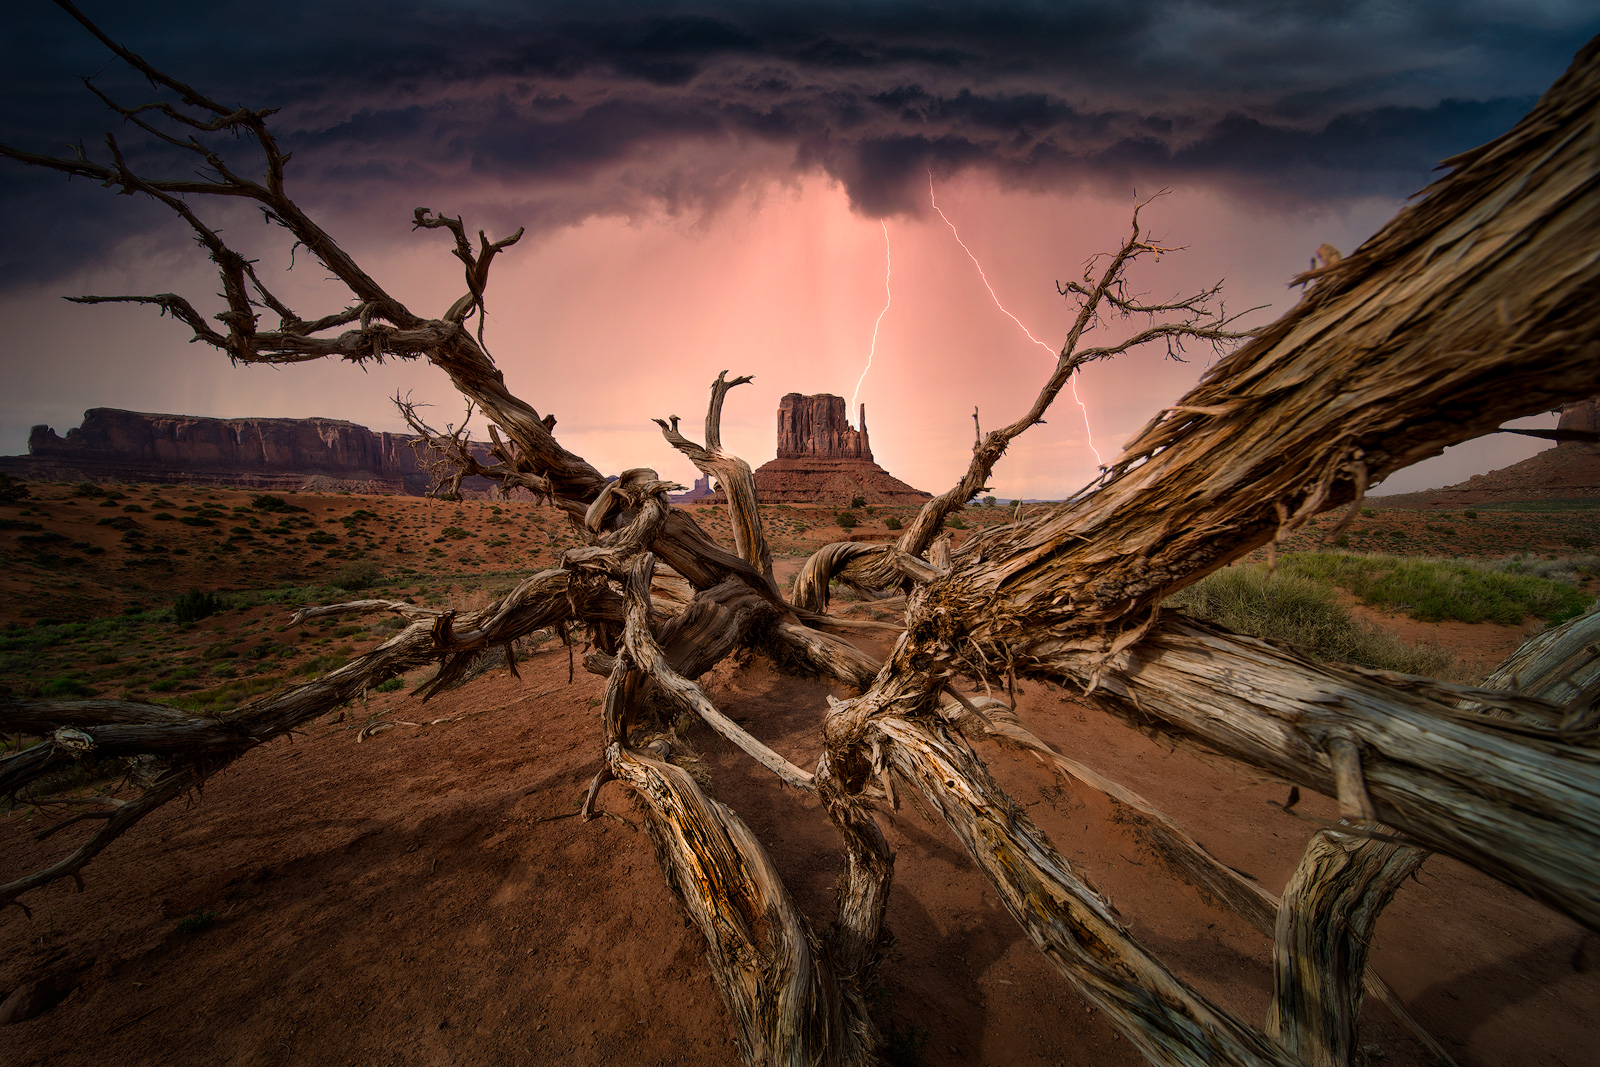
547, 115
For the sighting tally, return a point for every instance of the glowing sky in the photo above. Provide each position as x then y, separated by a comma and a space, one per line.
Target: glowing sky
708, 186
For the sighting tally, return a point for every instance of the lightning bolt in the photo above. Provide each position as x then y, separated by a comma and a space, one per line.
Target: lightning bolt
888, 298
1073, 381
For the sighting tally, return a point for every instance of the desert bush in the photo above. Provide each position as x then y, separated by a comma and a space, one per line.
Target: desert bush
357, 574
846, 520
1434, 590
1306, 613
268, 502
858, 501
65, 688
956, 522
194, 605
892, 522
12, 489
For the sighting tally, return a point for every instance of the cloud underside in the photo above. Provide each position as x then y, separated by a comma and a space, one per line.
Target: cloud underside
617, 110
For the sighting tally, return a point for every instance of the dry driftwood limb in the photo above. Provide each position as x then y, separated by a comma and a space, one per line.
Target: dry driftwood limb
1199, 317
1344, 880
364, 607
1325, 924
196, 746
1186, 857
1525, 809
787, 1005
1400, 349
1069, 921
1562, 665
650, 659
734, 475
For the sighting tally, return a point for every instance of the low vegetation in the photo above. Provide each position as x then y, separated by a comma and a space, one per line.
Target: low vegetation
1435, 590
1305, 612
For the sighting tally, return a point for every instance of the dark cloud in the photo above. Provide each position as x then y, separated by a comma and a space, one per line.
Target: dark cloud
609, 107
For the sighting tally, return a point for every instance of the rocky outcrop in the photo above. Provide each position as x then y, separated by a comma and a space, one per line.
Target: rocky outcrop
701, 490
1584, 415
822, 459
114, 445
815, 427
1569, 471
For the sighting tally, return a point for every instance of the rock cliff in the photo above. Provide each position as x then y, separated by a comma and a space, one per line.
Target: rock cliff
822, 459
1570, 470
815, 427
114, 445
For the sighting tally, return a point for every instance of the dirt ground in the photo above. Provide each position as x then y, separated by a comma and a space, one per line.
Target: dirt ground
425, 896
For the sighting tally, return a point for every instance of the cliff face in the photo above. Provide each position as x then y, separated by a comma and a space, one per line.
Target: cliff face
1584, 415
816, 427
133, 446
1570, 470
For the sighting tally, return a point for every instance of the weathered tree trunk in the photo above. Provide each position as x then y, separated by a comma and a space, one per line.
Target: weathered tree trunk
1476, 305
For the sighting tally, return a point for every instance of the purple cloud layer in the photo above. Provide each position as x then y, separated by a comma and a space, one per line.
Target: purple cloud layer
546, 115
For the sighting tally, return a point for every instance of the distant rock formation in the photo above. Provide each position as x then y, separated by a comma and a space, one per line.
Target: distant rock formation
114, 445
822, 459
701, 490
1584, 415
1570, 470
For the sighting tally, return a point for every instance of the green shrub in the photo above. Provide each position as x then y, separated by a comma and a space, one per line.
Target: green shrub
320, 537
12, 489
358, 574
956, 522
455, 533
390, 686
268, 502
846, 520
1305, 612
64, 688
1434, 590
194, 605
892, 522
858, 501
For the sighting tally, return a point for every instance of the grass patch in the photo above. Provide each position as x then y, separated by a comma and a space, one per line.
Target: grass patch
1305, 612
1436, 590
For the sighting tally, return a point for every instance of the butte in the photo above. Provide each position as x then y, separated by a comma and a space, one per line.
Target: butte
822, 459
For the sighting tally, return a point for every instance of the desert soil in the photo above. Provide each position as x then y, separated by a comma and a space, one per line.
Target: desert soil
425, 895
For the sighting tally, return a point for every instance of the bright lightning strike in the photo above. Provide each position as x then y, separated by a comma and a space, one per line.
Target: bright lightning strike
888, 298
1073, 381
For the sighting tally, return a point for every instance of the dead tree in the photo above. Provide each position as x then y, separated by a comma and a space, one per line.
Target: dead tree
1473, 306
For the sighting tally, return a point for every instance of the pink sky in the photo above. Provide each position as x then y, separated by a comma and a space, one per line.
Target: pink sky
614, 321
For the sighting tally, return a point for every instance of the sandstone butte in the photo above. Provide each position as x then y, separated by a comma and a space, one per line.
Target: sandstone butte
822, 459
324, 455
